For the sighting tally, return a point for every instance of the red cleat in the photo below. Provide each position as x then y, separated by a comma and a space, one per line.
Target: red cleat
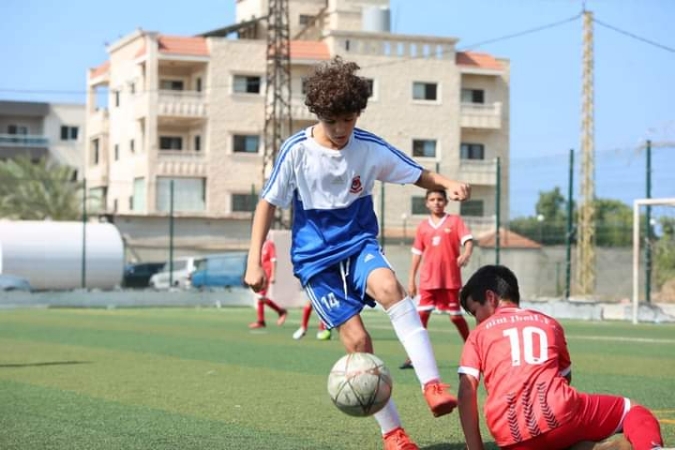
255, 325
282, 317
440, 401
398, 439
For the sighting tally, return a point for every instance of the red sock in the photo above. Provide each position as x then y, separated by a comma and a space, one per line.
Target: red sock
642, 429
273, 305
424, 317
261, 311
306, 312
461, 325
321, 326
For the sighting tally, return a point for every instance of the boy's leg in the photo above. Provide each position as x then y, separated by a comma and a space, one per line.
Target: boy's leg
304, 322
449, 302
278, 309
260, 314
424, 308
642, 429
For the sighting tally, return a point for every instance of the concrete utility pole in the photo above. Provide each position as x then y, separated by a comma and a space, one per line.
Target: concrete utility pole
278, 121
586, 224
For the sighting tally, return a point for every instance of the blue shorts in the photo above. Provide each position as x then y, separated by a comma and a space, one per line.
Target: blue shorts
339, 292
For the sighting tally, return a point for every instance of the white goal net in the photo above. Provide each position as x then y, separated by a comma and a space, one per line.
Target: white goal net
653, 252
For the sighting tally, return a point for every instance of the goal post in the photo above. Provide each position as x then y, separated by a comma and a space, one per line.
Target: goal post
637, 205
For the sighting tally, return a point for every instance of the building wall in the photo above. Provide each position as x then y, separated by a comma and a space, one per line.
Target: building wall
66, 152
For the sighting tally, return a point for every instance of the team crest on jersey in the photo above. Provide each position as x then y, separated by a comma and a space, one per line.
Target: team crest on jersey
356, 185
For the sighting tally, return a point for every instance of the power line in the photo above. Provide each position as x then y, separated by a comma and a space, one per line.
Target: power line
635, 36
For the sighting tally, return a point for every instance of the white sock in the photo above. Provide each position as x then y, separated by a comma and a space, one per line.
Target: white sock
415, 339
388, 418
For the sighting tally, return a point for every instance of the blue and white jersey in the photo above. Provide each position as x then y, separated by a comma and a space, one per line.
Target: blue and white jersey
331, 191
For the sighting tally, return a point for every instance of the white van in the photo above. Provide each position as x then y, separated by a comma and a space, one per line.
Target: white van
182, 268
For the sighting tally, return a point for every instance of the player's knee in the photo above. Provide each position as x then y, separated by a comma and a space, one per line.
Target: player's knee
355, 340
386, 289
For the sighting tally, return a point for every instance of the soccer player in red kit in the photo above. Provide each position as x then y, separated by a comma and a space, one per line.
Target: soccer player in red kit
522, 355
269, 265
443, 245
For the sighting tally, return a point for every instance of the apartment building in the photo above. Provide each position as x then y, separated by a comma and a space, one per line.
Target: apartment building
39, 130
189, 111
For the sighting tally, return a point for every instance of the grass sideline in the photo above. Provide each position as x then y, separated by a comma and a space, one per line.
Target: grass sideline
197, 378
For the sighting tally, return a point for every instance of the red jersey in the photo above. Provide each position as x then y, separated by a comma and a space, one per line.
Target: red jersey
523, 356
439, 244
269, 256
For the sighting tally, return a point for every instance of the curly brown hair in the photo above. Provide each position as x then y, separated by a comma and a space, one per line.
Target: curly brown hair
334, 89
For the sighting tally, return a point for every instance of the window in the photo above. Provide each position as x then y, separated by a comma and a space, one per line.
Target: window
471, 208
94, 152
198, 143
471, 151
171, 85
115, 205
17, 129
473, 96
424, 91
117, 98
97, 199
244, 202
305, 19
418, 205
371, 86
198, 84
424, 148
117, 152
246, 84
68, 133
170, 143
139, 195
132, 88
131, 203
132, 148
189, 194
246, 143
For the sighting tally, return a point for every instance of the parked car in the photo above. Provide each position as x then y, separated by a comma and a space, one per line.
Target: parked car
182, 268
138, 275
13, 283
222, 270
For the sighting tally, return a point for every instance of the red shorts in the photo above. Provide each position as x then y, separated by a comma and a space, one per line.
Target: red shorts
599, 417
444, 300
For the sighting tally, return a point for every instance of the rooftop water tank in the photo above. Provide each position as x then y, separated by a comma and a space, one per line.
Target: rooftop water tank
49, 254
376, 19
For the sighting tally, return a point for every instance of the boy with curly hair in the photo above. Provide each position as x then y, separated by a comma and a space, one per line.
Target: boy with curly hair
327, 172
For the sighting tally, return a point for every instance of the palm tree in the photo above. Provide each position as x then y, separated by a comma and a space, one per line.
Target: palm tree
38, 190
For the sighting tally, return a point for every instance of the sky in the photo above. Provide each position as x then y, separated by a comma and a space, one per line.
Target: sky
49, 46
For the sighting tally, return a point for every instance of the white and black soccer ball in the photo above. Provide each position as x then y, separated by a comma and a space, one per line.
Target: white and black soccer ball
359, 384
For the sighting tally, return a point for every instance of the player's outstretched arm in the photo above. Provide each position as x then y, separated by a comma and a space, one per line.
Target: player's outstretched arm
262, 219
468, 411
457, 190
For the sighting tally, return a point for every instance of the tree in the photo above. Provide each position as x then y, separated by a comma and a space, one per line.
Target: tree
614, 223
38, 190
551, 205
664, 258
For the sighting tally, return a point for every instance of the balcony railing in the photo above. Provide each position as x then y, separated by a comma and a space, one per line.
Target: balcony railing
98, 122
181, 155
476, 115
478, 171
181, 104
299, 111
23, 140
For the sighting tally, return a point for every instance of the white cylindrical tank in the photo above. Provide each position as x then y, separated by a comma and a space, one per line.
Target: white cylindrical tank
376, 19
49, 254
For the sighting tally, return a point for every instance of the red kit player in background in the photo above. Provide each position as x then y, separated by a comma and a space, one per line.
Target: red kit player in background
522, 355
443, 244
269, 265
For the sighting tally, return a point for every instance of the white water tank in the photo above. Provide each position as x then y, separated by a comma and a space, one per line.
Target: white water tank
376, 19
49, 254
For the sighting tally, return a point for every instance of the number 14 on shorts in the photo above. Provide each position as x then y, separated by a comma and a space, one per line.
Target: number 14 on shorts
330, 301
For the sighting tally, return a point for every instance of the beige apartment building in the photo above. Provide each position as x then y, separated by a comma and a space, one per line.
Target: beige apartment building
191, 109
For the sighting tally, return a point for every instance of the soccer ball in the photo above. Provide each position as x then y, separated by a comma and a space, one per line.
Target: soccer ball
359, 384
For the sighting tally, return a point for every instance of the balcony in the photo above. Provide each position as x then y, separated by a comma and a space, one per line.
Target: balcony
181, 163
299, 111
478, 172
98, 122
477, 115
31, 145
175, 104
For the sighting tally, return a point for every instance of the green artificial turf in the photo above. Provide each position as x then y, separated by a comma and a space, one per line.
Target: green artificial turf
199, 379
